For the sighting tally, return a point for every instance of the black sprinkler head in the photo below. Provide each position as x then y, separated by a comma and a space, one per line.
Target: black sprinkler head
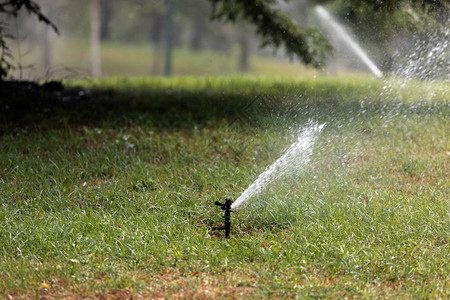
227, 217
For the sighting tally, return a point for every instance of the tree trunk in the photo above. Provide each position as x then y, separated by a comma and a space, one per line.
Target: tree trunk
46, 48
197, 34
96, 67
169, 37
244, 46
48, 10
156, 37
105, 20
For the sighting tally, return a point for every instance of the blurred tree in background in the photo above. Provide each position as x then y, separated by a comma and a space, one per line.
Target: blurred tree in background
390, 26
278, 23
12, 8
275, 28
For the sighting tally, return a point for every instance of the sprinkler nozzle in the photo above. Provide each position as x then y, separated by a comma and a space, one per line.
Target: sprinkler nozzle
227, 217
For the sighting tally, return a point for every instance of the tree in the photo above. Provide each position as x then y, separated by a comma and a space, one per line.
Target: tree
95, 9
244, 45
276, 28
105, 18
392, 27
11, 8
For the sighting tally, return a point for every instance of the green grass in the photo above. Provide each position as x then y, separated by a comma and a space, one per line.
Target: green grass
111, 195
71, 59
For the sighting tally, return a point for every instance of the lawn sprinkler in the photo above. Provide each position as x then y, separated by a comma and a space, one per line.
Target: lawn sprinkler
227, 217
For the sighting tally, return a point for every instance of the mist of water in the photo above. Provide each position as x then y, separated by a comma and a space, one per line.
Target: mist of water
427, 63
429, 60
295, 157
332, 25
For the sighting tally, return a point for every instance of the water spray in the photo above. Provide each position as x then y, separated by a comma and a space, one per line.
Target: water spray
227, 217
296, 156
342, 33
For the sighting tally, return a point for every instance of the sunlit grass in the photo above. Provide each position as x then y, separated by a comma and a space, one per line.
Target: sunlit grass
113, 193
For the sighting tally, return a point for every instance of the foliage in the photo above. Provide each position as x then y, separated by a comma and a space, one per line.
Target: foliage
11, 8
5, 53
379, 19
389, 17
276, 28
390, 28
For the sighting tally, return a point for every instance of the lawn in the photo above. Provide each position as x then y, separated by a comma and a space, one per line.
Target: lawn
71, 58
108, 191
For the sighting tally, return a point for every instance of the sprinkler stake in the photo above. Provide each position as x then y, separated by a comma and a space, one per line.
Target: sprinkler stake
227, 217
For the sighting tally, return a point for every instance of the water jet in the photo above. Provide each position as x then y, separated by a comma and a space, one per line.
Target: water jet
332, 25
294, 158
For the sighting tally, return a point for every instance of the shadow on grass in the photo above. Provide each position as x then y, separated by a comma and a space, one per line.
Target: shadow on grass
24, 105
28, 105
